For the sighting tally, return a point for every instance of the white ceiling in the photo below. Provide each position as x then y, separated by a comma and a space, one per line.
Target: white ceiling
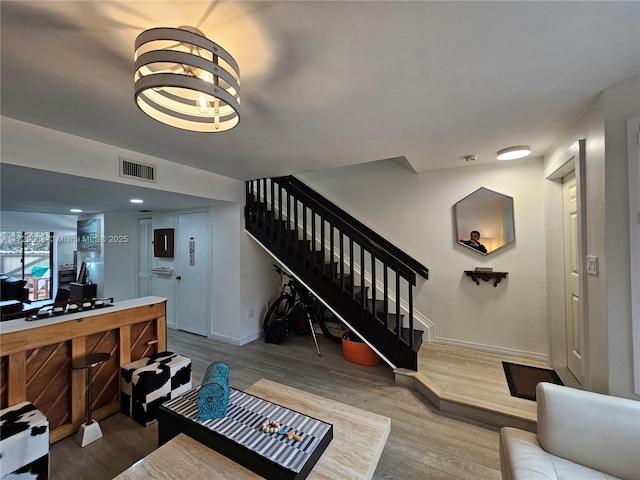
327, 83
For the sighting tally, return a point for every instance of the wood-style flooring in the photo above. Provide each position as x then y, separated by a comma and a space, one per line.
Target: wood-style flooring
424, 443
472, 384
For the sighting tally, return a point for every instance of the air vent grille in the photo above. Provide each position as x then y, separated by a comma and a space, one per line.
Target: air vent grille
140, 171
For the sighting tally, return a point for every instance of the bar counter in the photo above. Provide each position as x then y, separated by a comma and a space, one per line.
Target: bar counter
35, 358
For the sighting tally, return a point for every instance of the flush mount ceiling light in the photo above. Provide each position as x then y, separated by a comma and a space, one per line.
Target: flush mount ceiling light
185, 80
136, 200
513, 153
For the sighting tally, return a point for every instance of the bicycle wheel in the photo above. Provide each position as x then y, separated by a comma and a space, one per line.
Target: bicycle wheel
331, 326
278, 309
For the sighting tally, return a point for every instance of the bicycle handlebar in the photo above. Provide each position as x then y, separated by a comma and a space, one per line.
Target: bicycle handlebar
280, 271
294, 284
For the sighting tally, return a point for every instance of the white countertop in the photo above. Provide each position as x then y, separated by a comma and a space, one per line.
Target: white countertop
20, 324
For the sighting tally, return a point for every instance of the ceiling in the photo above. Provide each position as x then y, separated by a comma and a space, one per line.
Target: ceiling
30, 190
328, 83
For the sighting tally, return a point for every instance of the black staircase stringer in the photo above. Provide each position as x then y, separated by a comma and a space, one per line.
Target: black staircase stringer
321, 245
350, 311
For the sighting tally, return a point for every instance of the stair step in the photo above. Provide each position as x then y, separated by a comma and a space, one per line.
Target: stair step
347, 284
324, 277
269, 218
417, 337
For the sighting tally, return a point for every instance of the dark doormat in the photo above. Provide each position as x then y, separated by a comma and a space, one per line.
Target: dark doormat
522, 379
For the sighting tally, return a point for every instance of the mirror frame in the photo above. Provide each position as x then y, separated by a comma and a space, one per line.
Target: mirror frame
506, 217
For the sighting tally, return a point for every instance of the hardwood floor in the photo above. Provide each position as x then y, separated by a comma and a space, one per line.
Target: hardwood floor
424, 443
472, 384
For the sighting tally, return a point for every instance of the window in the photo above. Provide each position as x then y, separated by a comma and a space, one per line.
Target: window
29, 256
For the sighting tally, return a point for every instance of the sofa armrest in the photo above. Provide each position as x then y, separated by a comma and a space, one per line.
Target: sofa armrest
522, 458
599, 431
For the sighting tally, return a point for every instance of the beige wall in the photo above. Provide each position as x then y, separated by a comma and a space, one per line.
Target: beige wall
608, 352
622, 102
415, 212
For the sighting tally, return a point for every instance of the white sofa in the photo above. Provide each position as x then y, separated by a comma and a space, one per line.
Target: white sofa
581, 436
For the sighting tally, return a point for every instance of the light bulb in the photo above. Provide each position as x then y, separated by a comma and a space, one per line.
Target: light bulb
204, 75
203, 105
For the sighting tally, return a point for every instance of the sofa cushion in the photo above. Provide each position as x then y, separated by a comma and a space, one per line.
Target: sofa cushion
598, 431
522, 458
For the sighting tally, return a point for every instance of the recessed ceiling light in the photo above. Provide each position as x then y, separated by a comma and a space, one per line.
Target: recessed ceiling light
513, 153
136, 200
75, 210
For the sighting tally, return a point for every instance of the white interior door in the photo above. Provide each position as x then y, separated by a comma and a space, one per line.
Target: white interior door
193, 258
572, 277
145, 256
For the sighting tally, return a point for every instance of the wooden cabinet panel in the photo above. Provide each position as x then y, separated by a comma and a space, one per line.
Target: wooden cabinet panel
144, 340
106, 386
4, 369
48, 378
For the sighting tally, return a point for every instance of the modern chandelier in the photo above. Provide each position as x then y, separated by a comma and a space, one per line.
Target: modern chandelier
185, 80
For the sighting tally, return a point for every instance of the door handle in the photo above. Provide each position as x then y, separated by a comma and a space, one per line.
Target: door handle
178, 277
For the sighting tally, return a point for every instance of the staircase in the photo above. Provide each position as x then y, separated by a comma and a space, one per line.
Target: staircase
365, 280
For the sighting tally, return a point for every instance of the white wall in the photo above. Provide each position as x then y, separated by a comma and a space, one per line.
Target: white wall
608, 354
415, 213
73, 155
622, 101
164, 285
120, 255
259, 283
591, 128
225, 295
242, 279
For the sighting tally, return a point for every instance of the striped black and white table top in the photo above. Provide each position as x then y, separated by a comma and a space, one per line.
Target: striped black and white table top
246, 413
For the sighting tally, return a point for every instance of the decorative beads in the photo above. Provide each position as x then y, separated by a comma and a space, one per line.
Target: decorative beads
270, 426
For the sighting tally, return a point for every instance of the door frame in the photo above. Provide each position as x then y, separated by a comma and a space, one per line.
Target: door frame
138, 259
575, 159
633, 146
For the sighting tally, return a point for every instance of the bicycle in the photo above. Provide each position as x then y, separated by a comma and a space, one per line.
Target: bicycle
296, 309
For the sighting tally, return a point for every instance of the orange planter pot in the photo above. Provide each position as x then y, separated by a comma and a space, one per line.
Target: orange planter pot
358, 352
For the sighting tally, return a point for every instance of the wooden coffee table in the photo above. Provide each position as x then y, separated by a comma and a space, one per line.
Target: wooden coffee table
358, 440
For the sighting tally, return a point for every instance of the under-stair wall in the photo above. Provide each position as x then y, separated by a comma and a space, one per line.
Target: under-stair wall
341, 261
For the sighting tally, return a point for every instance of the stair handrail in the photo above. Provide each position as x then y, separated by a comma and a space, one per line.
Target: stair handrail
273, 207
357, 228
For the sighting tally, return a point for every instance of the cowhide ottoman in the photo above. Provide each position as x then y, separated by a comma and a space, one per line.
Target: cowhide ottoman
24, 443
150, 381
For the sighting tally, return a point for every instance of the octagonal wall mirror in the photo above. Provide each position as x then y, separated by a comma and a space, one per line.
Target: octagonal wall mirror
488, 213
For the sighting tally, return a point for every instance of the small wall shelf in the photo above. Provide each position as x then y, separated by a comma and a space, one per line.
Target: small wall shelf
486, 276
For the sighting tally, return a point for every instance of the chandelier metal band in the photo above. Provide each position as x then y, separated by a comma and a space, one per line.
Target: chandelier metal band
185, 80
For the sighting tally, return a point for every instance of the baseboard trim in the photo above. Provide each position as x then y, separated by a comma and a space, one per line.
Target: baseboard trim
250, 338
225, 339
511, 352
